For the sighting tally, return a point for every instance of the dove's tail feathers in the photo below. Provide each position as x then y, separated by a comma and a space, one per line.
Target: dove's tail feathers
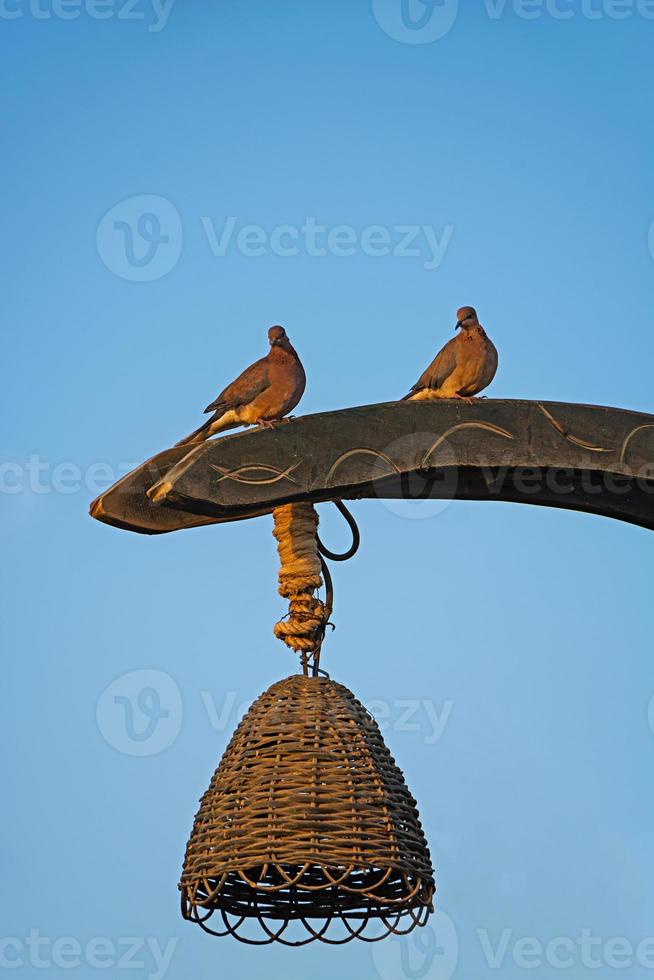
198, 436
217, 423
423, 394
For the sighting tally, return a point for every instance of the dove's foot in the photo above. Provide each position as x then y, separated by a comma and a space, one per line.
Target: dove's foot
272, 423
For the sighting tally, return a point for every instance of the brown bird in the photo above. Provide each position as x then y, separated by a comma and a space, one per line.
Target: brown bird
266, 391
465, 366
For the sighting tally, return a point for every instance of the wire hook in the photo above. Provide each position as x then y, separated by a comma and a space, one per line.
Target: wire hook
356, 536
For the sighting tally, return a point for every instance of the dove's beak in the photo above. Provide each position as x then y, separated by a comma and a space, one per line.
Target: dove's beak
458, 325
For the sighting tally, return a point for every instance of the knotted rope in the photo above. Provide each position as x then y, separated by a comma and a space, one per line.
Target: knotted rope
296, 531
301, 575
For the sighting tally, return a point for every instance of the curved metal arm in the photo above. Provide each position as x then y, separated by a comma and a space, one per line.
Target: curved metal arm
579, 457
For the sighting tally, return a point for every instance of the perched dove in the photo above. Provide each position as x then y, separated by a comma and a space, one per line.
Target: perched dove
266, 391
465, 366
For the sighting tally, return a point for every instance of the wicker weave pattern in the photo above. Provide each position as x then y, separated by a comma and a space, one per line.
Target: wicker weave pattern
307, 816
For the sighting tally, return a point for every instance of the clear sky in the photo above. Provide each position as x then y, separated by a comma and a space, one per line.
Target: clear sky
517, 142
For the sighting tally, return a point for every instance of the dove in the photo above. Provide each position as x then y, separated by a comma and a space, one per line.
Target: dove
263, 394
465, 366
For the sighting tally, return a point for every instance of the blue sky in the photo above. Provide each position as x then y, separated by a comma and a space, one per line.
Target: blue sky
521, 638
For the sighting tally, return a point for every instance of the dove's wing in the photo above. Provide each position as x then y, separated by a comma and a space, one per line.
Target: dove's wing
245, 389
440, 368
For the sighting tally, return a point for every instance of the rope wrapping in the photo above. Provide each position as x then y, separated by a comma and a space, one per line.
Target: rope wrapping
296, 532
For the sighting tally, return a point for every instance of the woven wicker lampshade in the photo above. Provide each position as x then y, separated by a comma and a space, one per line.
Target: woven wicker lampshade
307, 830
